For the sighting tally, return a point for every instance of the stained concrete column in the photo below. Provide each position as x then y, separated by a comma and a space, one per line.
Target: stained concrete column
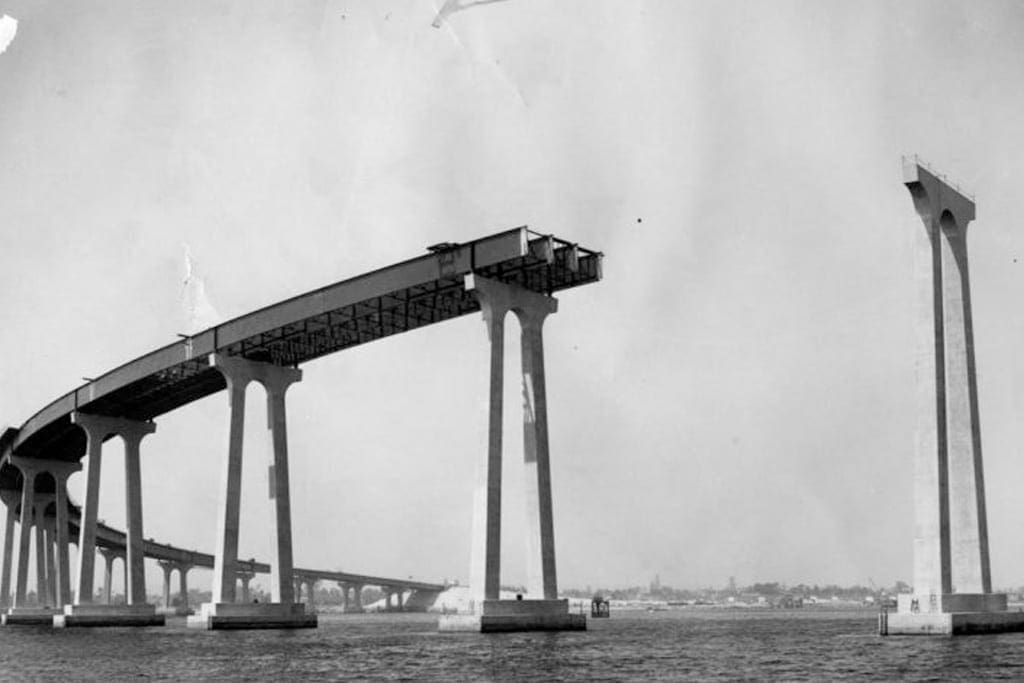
496, 299
400, 600
226, 555
132, 434
276, 384
950, 538
41, 502
109, 555
183, 585
60, 473
357, 596
245, 578
57, 567
50, 533
238, 373
540, 533
167, 568
95, 432
968, 525
25, 539
485, 564
5, 569
311, 594
344, 595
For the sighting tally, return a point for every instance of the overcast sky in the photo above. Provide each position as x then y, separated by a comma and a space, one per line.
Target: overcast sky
735, 398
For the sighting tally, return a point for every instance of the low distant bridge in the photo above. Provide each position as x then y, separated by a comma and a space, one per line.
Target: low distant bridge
516, 270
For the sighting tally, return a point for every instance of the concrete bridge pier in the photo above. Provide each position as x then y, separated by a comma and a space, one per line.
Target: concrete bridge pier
283, 611
109, 555
169, 567
52, 583
49, 533
311, 595
352, 597
952, 585
39, 525
136, 611
183, 570
542, 610
5, 568
244, 577
353, 604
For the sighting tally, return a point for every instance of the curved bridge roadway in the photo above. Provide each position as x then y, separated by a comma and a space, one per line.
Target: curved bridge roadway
266, 346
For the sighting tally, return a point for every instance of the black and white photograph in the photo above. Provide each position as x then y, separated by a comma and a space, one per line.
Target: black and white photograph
511, 340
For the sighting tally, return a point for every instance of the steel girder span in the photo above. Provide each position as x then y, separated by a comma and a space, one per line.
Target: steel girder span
421, 291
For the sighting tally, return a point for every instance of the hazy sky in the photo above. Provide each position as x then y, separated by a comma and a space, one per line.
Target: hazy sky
736, 397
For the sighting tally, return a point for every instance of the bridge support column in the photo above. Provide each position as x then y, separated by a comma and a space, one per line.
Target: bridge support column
61, 472
311, 596
28, 496
357, 598
543, 610
35, 479
183, 587
51, 562
283, 611
109, 555
31, 518
5, 569
245, 577
42, 581
167, 568
951, 558
136, 611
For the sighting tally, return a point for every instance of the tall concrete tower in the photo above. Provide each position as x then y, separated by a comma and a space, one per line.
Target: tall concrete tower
952, 582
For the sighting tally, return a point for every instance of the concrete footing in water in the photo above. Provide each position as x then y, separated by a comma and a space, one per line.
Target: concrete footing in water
108, 615
28, 616
952, 614
175, 611
249, 615
516, 615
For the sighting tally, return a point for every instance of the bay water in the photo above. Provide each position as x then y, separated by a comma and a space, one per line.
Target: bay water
673, 645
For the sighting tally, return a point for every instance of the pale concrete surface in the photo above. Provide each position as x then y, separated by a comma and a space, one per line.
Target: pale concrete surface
238, 615
532, 308
516, 615
28, 616
949, 623
952, 584
238, 373
91, 615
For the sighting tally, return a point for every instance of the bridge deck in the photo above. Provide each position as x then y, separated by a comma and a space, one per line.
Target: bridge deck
367, 580
422, 291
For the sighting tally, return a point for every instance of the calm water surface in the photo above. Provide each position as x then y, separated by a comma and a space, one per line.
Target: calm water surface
674, 645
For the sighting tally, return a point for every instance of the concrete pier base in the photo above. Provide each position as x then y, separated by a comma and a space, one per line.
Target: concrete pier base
950, 614
28, 616
108, 615
949, 623
250, 615
175, 611
516, 615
